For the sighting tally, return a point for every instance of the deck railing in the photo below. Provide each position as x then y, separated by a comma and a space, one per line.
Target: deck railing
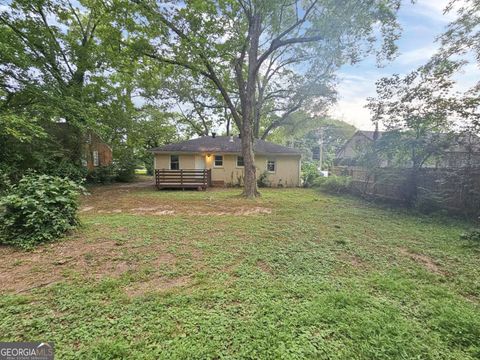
184, 178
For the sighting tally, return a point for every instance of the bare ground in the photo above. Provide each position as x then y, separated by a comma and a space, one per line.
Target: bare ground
124, 199
78, 256
22, 271
427, 262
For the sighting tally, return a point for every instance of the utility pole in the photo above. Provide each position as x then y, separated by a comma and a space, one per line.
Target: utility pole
320, 145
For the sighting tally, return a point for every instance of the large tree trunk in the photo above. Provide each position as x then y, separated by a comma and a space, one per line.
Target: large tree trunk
248, 114
250, 189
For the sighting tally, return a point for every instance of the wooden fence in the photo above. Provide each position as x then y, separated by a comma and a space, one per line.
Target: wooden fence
455, 190
185, 178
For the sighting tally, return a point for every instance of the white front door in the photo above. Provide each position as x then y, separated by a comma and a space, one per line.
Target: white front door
199, 162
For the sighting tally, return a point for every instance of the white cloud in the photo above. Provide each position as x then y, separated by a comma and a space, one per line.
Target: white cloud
434, 9
417, 56
353, 91
353, 111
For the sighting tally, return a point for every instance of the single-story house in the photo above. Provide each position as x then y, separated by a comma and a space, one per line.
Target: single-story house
221, 158
356, 145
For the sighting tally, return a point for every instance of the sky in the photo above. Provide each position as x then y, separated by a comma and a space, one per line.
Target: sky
422, 22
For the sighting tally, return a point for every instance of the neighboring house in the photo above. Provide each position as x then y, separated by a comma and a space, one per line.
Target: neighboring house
463, 150
221, 155
95, 152
355, 146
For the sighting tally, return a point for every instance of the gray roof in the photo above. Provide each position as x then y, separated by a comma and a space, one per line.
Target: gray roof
224, 144
370, 134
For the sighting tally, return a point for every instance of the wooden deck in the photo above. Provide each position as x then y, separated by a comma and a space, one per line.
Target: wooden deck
183, 179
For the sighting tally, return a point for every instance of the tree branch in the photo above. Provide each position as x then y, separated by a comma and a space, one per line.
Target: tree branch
278, 42
281, 120
210, 73
54, 39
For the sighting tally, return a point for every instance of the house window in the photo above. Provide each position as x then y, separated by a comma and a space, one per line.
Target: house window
174, 162
95, 158
271, 166
218, 162
240, 161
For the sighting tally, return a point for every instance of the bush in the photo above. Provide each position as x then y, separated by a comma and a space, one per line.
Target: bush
473, 235
102, 175
333, 184
428, 203
40, 208
125, 169
263, 181
66, 169
147, 161
309, 173
5, 182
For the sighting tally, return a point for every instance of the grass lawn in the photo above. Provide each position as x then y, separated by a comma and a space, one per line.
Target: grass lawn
198, 275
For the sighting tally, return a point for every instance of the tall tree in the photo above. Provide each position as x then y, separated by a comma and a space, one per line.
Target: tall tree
229, 41
418, 111
56, 63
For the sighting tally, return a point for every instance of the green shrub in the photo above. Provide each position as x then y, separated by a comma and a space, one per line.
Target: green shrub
102, 175
473, 235
333, 184
125, 164
5, 182
263, 181
125, 170
40, 208
318, 182
147, 161
66, 169
309, 173
429, 203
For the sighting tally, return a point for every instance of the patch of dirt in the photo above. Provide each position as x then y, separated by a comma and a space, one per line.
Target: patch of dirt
111, 256
237, 212
353, 260
138, 185
164, 258
164, 212
114, 211
262, 265
23, 271
159, 284
424, 260
146, 209
356, 261
136, 199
